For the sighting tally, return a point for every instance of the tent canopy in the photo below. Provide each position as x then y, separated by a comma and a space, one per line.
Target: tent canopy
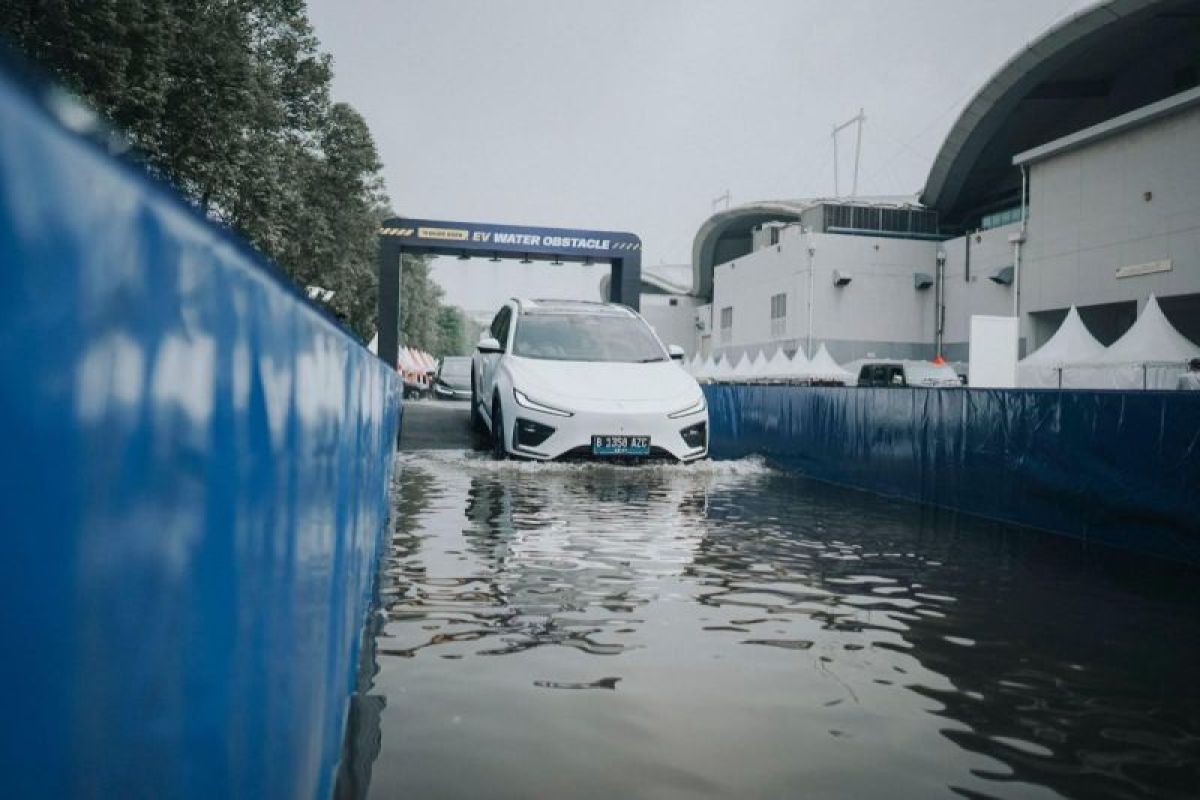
780, 367
1151, 339
824, 368
1071, 343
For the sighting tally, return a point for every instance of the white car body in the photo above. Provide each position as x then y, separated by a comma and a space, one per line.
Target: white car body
580, 399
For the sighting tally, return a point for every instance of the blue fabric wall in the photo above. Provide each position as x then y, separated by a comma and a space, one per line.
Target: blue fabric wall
193, 491
1120, 468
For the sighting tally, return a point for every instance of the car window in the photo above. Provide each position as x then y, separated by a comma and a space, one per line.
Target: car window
586, 337
455, 369
499, 329
865, 374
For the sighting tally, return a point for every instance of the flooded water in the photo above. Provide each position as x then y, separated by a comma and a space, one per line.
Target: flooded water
726, 630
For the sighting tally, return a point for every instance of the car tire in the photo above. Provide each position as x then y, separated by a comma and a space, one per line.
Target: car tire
499, 448
476, 418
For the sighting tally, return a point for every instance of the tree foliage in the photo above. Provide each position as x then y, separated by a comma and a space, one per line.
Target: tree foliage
230, 101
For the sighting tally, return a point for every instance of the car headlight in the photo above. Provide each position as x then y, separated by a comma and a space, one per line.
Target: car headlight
524, 400
694, 408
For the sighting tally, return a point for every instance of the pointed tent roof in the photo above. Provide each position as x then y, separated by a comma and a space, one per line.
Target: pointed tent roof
693, 366
725, 370
1070, 344
704, 369
760, 366
824, 368
779, 366
749, 367
1151, 339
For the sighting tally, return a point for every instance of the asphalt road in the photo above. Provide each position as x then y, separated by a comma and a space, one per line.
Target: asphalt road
436, 425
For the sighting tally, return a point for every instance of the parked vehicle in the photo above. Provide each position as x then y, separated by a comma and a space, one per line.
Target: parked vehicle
571, 379
903, 372
452, 381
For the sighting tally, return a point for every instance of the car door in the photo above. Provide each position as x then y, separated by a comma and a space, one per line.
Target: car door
490, 362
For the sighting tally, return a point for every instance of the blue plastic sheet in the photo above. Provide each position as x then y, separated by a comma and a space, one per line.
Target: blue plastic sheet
1118, 468
193, 470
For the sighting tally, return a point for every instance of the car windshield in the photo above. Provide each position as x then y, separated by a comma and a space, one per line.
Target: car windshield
586, 337
458, 369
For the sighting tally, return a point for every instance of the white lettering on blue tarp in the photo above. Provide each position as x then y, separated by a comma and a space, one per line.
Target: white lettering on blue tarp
518, 238
576, 243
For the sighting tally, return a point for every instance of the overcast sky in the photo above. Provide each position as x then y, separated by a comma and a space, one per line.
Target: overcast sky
635, 114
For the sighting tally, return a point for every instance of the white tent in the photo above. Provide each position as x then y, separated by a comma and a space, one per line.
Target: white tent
822, 367
725, 370
779, 367
693, 366
704, 369
1150, 355
747, 370
1070, 344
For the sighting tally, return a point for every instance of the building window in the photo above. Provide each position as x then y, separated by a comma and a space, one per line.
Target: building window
727, 324
778, 315
998, 218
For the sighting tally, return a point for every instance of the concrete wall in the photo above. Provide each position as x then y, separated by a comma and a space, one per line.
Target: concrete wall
1089, 215
674, 324
879, 312
970, 260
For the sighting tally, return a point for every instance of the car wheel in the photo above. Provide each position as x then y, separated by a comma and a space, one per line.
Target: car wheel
499, 450
476, 418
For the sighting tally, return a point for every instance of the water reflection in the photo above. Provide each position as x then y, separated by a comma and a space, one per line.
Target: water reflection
729, 630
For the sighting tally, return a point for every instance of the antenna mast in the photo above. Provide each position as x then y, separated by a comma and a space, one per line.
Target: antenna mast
860, 119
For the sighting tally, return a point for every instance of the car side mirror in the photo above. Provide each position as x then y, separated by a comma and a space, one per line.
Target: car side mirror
676, 352
488, 344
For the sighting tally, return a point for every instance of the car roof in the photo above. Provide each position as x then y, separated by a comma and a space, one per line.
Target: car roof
555, 306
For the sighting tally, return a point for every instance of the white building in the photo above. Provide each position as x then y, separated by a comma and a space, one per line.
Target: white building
1071, 178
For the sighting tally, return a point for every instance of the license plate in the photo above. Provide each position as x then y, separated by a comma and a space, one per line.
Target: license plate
621, 445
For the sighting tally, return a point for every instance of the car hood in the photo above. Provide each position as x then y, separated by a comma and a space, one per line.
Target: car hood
656, 382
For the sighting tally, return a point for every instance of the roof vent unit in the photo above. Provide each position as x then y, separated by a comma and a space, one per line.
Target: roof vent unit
767, 234
922, 280
841, 278
1002, 276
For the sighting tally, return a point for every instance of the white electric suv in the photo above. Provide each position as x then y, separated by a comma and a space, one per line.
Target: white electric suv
571, 379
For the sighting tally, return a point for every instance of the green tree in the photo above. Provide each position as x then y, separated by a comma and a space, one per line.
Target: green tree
229, 100
451, 332
420, 301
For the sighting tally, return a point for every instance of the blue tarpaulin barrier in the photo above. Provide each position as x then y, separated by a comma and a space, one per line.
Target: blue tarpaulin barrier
193, 471
1118, 468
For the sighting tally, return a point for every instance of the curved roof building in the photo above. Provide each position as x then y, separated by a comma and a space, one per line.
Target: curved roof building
1095, 65
1102, 62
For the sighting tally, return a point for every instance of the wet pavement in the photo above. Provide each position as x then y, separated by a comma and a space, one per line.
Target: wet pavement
727, 630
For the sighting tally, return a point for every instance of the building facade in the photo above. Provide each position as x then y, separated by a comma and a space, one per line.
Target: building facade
1071, 178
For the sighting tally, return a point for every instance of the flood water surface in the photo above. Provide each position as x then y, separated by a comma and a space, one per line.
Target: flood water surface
727, 630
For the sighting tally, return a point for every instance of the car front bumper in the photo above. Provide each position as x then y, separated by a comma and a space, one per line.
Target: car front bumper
572, 436
447, 393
